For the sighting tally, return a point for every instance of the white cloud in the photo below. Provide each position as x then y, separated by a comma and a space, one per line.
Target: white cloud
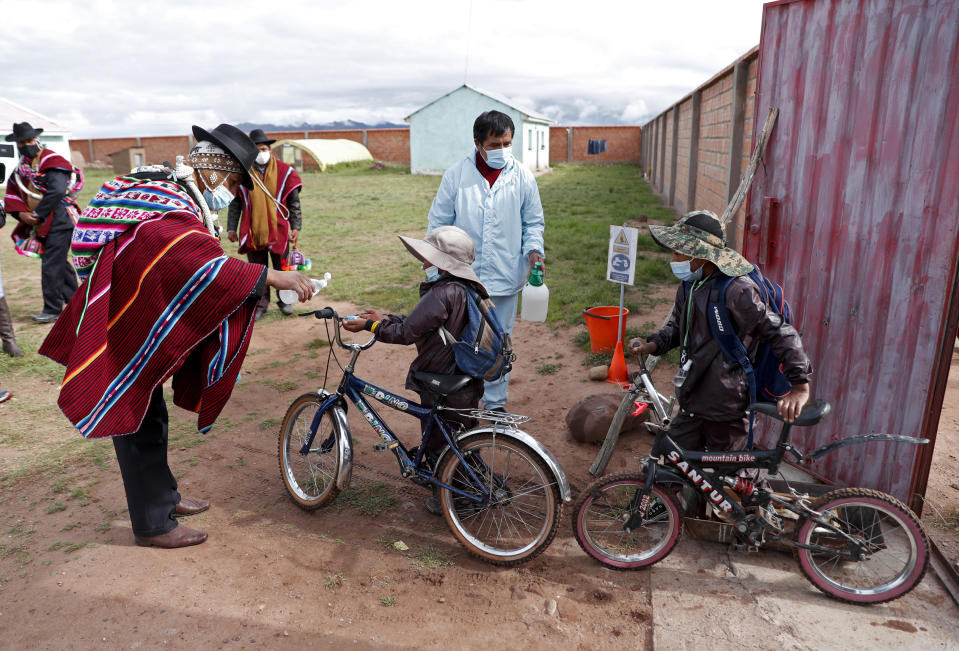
110, 68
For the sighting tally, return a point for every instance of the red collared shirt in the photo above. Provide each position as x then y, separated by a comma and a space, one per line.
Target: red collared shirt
488, 172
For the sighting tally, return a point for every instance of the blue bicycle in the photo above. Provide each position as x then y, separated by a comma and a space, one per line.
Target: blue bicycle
500, 490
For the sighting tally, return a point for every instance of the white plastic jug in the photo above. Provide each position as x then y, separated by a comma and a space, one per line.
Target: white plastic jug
289, 297
535, 296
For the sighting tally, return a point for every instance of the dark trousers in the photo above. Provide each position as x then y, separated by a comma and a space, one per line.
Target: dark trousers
260, 257
147, 480
467, 399
693, 433
58, 280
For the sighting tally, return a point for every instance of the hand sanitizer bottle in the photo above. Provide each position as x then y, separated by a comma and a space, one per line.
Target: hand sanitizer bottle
289, 297
535, 296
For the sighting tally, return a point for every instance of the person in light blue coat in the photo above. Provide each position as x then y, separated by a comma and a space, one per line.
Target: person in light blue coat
495, 199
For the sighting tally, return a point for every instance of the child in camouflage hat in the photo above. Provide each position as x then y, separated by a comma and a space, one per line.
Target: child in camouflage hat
712, 391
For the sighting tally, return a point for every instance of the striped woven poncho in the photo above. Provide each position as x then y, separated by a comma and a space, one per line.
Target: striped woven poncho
161, 299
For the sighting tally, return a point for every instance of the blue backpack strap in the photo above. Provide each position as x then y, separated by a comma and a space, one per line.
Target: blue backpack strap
729, 342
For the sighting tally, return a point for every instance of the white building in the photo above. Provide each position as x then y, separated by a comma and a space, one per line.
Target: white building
441, 133
54, 136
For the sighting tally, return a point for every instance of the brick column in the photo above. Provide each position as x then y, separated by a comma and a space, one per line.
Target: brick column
697, 102
674, 155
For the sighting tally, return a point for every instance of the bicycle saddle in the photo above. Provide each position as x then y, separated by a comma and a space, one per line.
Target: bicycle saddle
443, 385
811, 414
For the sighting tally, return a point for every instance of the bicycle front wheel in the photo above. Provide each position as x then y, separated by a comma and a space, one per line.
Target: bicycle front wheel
310, 477
524, 509
602, 510
892, 549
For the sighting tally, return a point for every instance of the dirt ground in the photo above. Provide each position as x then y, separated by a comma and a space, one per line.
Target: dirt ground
274, 576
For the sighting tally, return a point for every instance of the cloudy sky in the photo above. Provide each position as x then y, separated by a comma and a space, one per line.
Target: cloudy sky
106, 68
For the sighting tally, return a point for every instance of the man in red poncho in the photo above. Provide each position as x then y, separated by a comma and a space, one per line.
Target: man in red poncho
40, 195
161, 300
268, 216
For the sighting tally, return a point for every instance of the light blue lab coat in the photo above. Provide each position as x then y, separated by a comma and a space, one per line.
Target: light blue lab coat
506, 221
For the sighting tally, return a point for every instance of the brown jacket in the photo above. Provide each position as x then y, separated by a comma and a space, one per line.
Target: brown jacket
716, 388
442, 303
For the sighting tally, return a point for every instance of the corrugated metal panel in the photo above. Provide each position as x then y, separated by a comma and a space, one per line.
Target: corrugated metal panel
856, 211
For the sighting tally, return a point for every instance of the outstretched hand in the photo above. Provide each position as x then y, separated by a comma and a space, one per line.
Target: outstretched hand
291, 280
355, 325
793, 402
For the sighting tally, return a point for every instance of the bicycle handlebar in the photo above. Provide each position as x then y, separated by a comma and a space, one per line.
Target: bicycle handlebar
330, 313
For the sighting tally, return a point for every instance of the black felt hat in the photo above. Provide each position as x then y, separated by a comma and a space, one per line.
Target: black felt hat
23, 131
234, 141
259, 138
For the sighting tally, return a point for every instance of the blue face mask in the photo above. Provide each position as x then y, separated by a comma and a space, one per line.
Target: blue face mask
682, 271
498, 158
219, 199
432, 274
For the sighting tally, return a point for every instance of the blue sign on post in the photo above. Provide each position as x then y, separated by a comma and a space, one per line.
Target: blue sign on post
621, 262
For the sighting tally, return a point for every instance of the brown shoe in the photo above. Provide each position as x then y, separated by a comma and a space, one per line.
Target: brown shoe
190, 506
179, 537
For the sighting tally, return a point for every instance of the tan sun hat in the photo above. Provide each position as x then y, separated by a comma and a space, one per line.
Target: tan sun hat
448, 248
700, 234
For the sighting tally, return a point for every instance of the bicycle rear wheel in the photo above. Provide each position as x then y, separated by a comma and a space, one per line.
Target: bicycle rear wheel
310, 478
604, 507
524, 509
895, 552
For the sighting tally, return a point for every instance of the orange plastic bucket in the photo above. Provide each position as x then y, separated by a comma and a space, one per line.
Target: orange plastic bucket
602, 322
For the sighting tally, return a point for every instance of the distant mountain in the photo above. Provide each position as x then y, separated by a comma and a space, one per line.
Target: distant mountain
332, 126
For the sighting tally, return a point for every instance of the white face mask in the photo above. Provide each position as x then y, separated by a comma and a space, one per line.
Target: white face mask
219, 198
498, 158
432, 274
263, 158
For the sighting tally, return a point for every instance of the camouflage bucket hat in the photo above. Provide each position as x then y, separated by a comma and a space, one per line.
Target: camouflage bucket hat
700, 234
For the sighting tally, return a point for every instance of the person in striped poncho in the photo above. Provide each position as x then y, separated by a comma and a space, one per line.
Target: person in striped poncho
160, 300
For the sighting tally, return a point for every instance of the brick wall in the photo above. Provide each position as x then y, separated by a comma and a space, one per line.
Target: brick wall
713, 143
622, 144
715, 129
685, 122
388, 145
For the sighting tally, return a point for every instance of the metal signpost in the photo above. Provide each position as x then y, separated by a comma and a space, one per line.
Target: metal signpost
621, 263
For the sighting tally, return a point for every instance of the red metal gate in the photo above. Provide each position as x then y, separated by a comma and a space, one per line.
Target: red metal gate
856, 213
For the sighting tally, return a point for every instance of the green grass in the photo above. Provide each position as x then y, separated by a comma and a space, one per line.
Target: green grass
333, 581
371, 499
283, 387
431, 557
351, 218
548, 369
352, 215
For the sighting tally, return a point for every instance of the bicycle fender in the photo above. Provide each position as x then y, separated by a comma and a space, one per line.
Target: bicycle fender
344, 442
865, 438
666, 475
526, 439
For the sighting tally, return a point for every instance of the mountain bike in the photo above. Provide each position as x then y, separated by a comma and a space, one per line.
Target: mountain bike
854, 544
500, 490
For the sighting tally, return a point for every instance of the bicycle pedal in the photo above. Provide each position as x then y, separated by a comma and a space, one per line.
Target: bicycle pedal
744, 548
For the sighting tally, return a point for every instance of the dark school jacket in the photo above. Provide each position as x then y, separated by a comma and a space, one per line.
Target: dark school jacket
716, 388
442, 303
